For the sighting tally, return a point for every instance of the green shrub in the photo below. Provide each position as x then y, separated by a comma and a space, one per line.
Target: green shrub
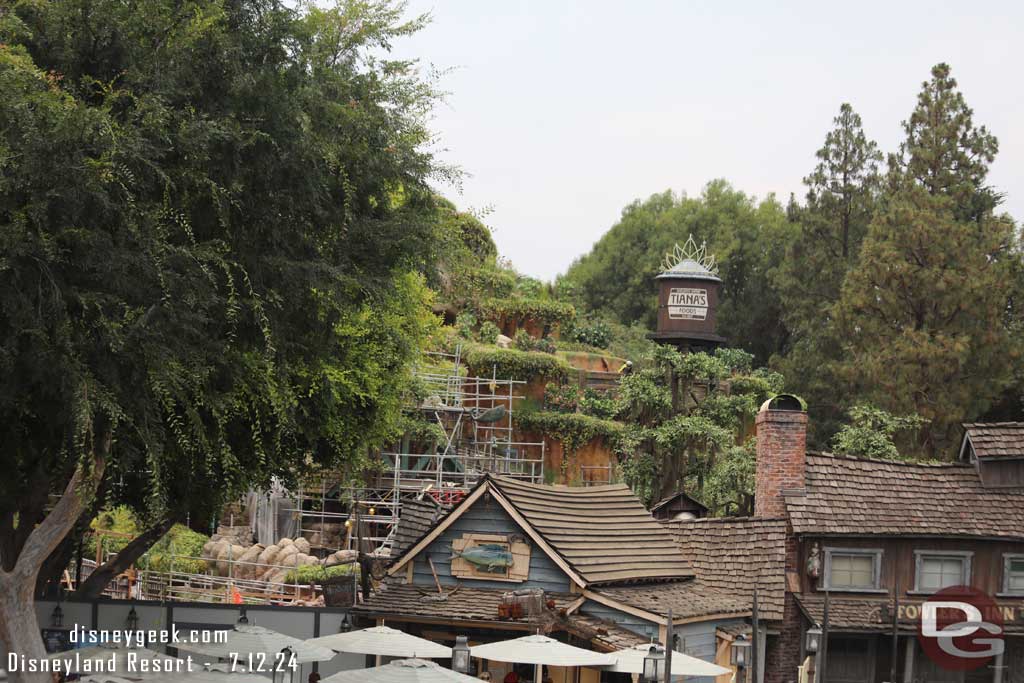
513, 364
179, 541
120, 520
591, 332
542, 311
524, 342
561, 398
574, 430
598, 404
314, 573
488, 333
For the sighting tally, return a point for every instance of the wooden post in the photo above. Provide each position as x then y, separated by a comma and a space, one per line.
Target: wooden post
754, 641
908, 662
669, 646
895, 627
823, 650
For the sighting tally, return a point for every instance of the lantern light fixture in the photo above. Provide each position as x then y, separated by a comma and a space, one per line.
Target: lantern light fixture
654, 664
460, 655
813, 640
740, 652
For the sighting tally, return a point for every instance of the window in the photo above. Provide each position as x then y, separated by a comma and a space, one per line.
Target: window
1013, 574
938, 570
852, 569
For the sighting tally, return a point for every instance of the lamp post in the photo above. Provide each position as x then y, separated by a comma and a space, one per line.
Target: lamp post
57, 617
131, 623
654, 664
740, 657
243, 619
346, 624
812, 642
460, 655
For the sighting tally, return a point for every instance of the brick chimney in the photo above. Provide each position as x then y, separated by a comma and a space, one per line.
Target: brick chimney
781, 453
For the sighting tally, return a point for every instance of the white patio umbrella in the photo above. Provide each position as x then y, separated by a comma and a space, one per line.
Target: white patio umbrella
382, 640
117, 661
245, 640
402, 671
631, 661
540, 650
214, 673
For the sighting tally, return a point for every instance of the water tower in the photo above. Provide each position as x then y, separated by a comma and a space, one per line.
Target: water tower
688, 289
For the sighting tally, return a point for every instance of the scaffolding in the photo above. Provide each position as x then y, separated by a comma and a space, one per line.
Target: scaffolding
475, 420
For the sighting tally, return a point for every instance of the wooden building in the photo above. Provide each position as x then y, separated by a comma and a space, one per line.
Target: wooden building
679, 507
587, 565
882, 537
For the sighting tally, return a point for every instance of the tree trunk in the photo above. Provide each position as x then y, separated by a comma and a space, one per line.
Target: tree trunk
105, 573
19, 628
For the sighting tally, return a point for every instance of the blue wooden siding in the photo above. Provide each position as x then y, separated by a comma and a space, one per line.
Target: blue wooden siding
487, 517
697, 640
645, 628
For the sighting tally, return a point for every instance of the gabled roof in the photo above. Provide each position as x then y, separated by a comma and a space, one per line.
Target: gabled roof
858, 496
676, 496
994, 439
604, 532
735, 555
597, 535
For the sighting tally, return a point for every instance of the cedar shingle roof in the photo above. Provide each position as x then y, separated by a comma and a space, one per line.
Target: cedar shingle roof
603, 634
867, 614
847, 495
604, 532
416, 518
686, 598
464, 604
480, 604
996, 439
735, 555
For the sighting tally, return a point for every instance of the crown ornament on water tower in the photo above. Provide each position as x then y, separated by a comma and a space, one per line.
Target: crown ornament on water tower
684, 259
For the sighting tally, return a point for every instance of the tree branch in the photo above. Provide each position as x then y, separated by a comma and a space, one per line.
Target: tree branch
126, 557
45, 537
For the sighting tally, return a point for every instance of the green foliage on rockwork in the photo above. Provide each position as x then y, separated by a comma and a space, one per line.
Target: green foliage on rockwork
573, 430
512, 364
546, 312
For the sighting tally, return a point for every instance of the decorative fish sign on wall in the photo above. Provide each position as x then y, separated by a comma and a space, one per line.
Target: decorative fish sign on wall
489, 557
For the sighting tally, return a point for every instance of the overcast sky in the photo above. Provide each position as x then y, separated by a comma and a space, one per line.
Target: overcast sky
564, 112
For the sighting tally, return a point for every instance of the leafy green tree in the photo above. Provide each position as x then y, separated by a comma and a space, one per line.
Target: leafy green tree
212, 215
923, 316
689, 426
746, 236
872, 432
842, 197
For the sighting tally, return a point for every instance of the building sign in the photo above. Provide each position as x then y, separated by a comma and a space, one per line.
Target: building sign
961, 628
685, 303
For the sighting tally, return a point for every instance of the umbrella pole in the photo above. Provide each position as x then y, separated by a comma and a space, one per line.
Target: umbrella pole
537, 671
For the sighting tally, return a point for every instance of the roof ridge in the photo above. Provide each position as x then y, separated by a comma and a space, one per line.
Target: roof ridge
745, 518
885, 461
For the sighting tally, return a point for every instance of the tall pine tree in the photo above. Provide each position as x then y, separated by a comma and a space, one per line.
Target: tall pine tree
842, 196
922, 316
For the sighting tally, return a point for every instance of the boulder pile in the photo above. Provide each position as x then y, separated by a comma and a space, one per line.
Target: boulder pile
266, 563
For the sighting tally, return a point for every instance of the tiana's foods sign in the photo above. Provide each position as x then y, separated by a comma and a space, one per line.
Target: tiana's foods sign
685, 303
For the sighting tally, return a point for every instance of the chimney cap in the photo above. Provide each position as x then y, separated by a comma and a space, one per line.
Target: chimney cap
785, 402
